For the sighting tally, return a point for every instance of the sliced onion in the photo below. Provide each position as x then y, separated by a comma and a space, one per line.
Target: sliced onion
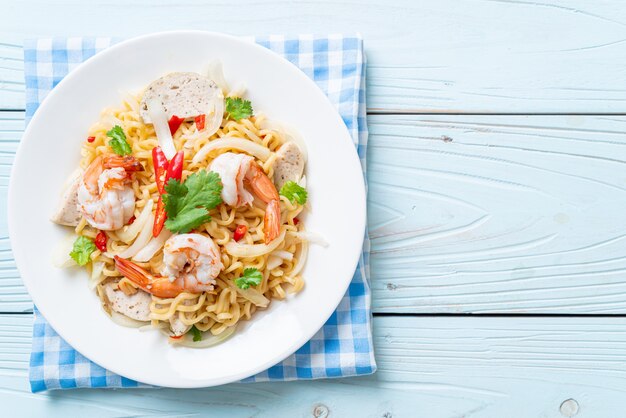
141, 241
273, 262
125, 321
155, 244
301, 256
214, 116
254, 296
96, 274
61, 254
253, 250
216, 73
285, 255
312, 237
289, 133
208, 340
238, 91
161, 127
132, 101
132, 230
110, 121
241, 144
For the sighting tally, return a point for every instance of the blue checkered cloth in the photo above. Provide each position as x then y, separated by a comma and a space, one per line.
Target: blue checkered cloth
343, 347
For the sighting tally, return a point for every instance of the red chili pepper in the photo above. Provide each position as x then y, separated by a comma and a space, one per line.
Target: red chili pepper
200, 120
175, 123
90, 139
176, 337
159, 218
240, 231
175, 168
174, 171
296, 221
159, 160
131, 220
101, 241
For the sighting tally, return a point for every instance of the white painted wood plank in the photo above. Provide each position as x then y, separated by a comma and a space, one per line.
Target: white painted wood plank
446, 56
472, 367
482, 214
489, 214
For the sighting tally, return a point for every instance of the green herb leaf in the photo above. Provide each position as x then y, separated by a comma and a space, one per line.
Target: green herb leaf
82, 249
250, 277
294, 192
197, 335
187, 204
118, 142
237, 108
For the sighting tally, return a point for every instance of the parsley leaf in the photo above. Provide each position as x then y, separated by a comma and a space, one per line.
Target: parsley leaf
250, 277
187, 204
294, 192
237, 108
197, 335
118, 142
82, 249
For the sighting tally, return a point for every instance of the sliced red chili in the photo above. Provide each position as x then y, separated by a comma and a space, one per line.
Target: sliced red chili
131, 220
240, 232
175, 168
90, 139
296, 221
175, 123
101, 241
160, 163
164, 171
159, 218
200, 121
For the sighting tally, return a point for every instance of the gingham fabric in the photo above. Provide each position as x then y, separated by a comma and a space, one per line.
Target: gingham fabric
343, 347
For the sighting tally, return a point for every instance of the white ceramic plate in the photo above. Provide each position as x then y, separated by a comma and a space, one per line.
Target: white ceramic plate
50, 150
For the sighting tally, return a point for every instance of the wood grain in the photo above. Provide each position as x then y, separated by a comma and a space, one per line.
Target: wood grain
489, 214
428, 367
473, 214
500, 56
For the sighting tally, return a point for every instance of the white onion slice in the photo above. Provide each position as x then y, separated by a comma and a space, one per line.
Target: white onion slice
312, 237
289, 133
239, 90
241, 144
161, 127
61, 254
216, 73
141, 241
253, 250
131, 232
285, 255
208, 340
96, 274
301, 256
125, 321
273, 262
155, 244
254, 296
215, 116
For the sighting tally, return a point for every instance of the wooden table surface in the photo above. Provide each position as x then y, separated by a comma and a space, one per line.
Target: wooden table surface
497, 190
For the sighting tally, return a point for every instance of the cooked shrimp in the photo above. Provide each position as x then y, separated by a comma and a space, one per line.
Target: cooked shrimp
105, 197
237, 169
191, 264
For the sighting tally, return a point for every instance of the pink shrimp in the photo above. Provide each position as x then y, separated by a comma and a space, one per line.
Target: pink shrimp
238, 170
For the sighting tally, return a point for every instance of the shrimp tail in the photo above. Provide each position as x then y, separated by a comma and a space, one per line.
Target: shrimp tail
271, 222
158, 286
127, 162
261, 185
